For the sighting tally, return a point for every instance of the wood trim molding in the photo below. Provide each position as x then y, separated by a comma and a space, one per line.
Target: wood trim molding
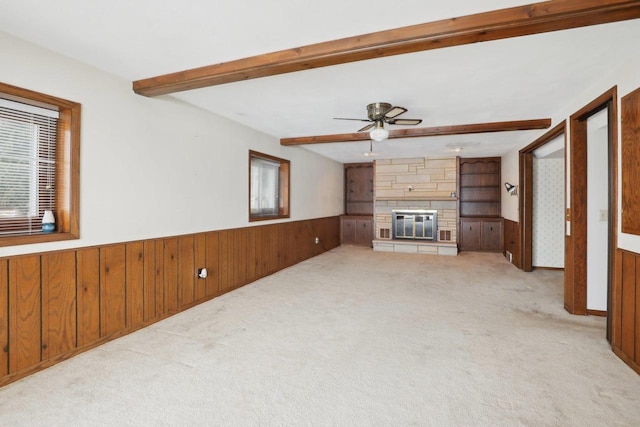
67, 181
358, 165
423, 132
284, 192
614, 119
599, 313
558, 130
494, 25
526, 210
626, 359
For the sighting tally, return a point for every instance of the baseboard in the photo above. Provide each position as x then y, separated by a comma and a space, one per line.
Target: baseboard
626, 359
599, 313
548, 268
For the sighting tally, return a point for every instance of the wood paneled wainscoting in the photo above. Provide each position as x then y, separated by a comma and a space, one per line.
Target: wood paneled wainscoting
512, 242
55, 305
625, 316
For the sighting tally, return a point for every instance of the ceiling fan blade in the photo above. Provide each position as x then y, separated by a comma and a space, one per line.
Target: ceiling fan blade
405, 122
358, 120
367, 127
394, 112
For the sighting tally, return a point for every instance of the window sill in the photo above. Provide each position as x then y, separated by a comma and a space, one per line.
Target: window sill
35, 238
266, 218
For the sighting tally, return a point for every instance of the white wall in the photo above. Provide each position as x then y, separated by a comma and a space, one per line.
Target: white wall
510, 173
597, 203
548, 213
627, 78
154, 167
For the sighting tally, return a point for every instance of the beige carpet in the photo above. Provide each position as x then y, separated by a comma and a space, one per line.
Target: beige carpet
351, 338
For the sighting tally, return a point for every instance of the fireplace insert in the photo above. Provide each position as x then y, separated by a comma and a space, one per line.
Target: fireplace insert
414, 224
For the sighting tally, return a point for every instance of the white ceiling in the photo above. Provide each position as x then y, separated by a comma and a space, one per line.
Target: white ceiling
514, 79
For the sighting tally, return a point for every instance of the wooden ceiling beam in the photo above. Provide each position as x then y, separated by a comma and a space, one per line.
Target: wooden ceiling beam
500, 24
421, 132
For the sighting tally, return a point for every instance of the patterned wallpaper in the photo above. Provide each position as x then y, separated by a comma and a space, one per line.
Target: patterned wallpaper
548, 212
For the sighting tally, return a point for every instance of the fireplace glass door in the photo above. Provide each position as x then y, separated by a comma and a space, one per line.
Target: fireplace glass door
414, 225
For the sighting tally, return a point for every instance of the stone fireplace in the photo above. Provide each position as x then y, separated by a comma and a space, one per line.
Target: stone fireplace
418, 184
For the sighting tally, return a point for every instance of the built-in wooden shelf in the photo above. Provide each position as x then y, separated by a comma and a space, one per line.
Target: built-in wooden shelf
358, 189
479, 187
479, 204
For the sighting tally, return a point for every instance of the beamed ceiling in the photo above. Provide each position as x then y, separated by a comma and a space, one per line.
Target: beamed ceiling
484, 76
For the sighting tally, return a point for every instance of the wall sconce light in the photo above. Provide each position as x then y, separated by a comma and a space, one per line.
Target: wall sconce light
511, 189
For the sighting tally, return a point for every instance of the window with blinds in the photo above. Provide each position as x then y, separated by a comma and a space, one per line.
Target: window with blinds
269, 187
28, 139
264, 187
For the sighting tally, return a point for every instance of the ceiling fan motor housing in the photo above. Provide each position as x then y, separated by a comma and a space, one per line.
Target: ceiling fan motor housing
376, 110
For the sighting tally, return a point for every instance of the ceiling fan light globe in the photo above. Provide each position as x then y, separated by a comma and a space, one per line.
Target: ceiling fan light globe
379, 134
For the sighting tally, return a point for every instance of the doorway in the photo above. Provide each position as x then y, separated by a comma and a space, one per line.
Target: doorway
578, 237
597, 212
549, 145
548, 205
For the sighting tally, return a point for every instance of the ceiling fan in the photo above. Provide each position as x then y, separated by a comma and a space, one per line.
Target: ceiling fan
378, 114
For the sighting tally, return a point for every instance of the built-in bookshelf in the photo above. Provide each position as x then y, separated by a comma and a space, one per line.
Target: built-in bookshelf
479, 204
479, 191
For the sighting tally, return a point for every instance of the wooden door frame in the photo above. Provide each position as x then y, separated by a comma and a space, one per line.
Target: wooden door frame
526, 192
575, 299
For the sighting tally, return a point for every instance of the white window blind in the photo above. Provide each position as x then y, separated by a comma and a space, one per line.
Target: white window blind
27, 166
265, 186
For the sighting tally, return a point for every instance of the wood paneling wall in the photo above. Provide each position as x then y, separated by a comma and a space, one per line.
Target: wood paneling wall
630, 157
55, 305
512, 241
625, 316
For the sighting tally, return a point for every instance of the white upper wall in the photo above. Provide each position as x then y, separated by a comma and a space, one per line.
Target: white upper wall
627, 79
509, 173
155, 167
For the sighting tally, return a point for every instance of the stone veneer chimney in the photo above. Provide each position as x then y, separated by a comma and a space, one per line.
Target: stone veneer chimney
419, 183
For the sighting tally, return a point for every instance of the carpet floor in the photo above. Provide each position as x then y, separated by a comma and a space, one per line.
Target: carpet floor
351, 338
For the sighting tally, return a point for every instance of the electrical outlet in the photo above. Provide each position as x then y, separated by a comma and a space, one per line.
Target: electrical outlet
317, 240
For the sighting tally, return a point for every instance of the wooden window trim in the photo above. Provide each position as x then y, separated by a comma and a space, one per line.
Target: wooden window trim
67, 169
285, 180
